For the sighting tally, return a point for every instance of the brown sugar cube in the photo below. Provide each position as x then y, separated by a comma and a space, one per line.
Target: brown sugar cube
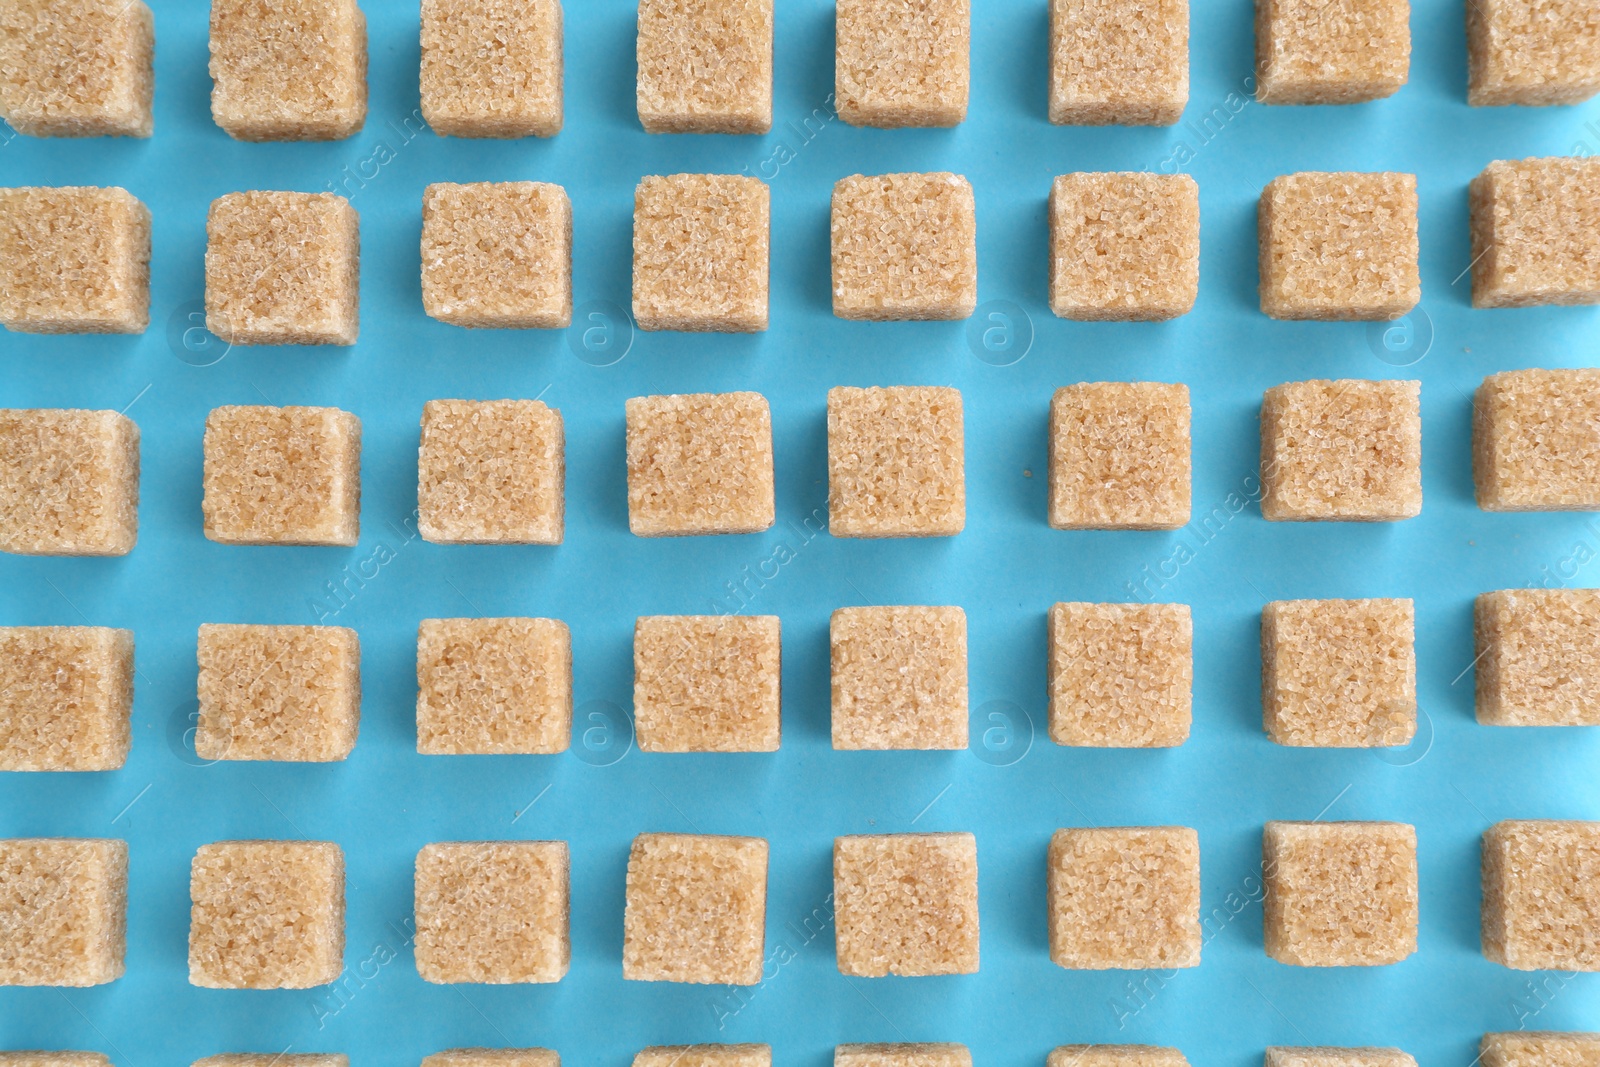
1124, 247
74, 259
700, 248
1279, 1056
288, 70
285, 693
1347, 451
705, 66
696, 909
1118, 62
492, 68
266, 915
66, 693
899, 677
275, 1059
1340, 894
1539, 1049
54, 1059
69, 482
1339, 673
1115, 1056
699, 464
903, 1054
1121, 675
77, 68
896, 462
1538, 661
1541, 895
493, 687
707, 683
906, 904
282, 476
497, 255
491, 473
1119, 456
1536, 440
905, 246
283, 269
495, 912
493, 1057
1125, 898
63, 911
704, 1056
1536, 232
1531, 52
902, 62
1331, 51
1336, 247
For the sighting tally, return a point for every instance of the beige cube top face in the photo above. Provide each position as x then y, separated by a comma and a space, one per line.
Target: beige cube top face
699, 463
902, 62
1124, 247
497, 255
493, 687
696, 909
1337, 52
903, 1054
701, 244
1531, 52
1118, 62
1536, 440
1340, 894
491, 473
266, 915
73, 260
704, 1056
275, 1059
283, 269
282, 476
1339, 673
282, 693
1345, 451
1115, 1056
906, 904
705, 66
54, 1059
1282, 1056
899, 678
1337, 247
69, 482
492, 68
707, 683
1525, 1048
905, 246
77, 68
1119, 456
494, 1057
1536, 232
63, 911
1125, 898
1541, 895
66, 694
1538, 661
1121, 675
288, 70
495, 912
896, 462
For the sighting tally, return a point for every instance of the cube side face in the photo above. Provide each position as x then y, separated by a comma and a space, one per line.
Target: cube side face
901, 63
1340, 894
904, 247
1121, 675
1118, 62
903, 1054
1120, 456
899, 678
492, 68
1341, 451
1531, 52
896, 462
1540, 1049
63, 911
707, 683
280, 693
701, 244
1341, 52
1280, 1056
696, 909
1339, 673
1115, 1056
494, 1057
705, 66
1536, 440
1538, 658
497, 255
282, 476
1534, 233
491, 473
266, 915
493, 687
906, 904
700, 464
494, 912
746, 1055
1339, 246
1124, 247
74, 260
1541, 895
69, 483
80, 68
1126, 898
296, 71
66, 696
54, 1059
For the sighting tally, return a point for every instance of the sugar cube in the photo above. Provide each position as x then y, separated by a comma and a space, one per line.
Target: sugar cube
493, 1057
1331, 51
1541, 894
493, 687
275, 1059
1339, 246
266, 915
77, 68
1531, 52
705, 1056
700, 249
1536, 232
495, 912
903, 1054
1124, 247
1526, 1048
69, 482
63, 911
699, 464
1119, 456
491, 473
1347, 450
1121, 675
1118, 62
696, 909
1339, 673
1125, 898
896, 462
905, 246
282, 476
288, 70
1280, 1056
1538, 661
284, 693
906, 904
492, 68
1536, 440
1115, 1056
899, 677
497, 255
1340, 894
74, 259
705, 66
706, 683
54, 1059
66, 693
902, 62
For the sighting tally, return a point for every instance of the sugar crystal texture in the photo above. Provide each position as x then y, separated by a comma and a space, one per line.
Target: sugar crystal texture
54, 1059
497, 254
1533, 1048
1532, 52
899, 677
696, 909
704, 1056
275, 1059
288, 70
1536, 232
66, 694
282, 476
491, 473
905, 246
77, 68
1339, 246
266, 915
1331, 51
74, 259
69, 482
1119, 456
1348, 450
494, 912
1340, 894
902, 62
493, 687
1125, 897
1538, 657
1536, 440
1339, 673
700, 251
906, 904
1281, 1056
896, 462
284, 693
63, 911
903, 1054
1124, 247
493, 1057
1120, 675
707, 683
699, 463
1118, 62
1541, 894
705, 66
492, 68
1115, 1056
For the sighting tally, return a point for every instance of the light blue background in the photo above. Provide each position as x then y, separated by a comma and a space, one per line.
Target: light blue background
1006, 569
